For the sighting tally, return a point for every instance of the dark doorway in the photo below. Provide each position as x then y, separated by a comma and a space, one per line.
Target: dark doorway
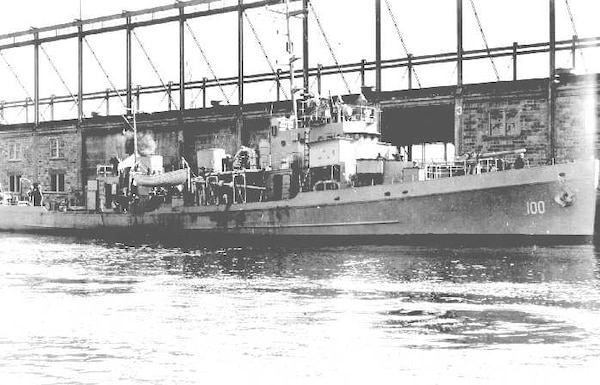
277, 187
414, 125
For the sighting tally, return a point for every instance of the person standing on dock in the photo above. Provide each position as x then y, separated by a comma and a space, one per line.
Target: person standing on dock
520, 162
37, 194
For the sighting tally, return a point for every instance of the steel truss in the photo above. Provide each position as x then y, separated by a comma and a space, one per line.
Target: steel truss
127, 21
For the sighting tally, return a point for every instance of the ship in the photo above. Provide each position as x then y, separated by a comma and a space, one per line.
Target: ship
327, 175
323, 173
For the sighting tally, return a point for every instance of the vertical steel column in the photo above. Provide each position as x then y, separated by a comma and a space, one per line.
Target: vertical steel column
319, 70
551, 82
128, 65
574, 51
278, 84
305, 64
182, 58
459, 43
458, 97
52, 97
79, 71
82, 171
137, 97
410, 71
378, 45
240, 116
204, 80
363, 64
240, 53
514, 59
107, 98
36, 79
170, 95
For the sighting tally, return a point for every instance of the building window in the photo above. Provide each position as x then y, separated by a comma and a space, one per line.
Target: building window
14, 151
57, 182
497, 123
503, 122
57, 148
15, 183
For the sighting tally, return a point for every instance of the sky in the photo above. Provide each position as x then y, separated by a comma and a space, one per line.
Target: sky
427, 26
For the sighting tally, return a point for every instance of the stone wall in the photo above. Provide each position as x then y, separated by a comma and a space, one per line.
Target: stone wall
24, 163
51, 149
508, 115
501, 117
495, 117
504, 116
577, 117
66, 161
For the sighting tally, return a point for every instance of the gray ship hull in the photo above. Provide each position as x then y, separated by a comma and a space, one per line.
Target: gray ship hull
548, 201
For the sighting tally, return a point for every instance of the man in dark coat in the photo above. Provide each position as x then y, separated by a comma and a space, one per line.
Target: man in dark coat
520, 161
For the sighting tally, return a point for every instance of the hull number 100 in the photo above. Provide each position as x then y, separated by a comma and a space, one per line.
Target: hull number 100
534, 208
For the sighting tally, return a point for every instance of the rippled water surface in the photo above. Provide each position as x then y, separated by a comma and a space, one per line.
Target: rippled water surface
89, 312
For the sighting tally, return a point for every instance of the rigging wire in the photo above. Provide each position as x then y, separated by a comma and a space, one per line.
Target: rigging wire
14, 73
574, 27
190, 76
2, 117
162, 83
271, 89
62, 80
571, 17
104, 72
487, 47
453, 73
163, 98
109, 81
262, 48
21, 111
47, 107
401, 38
337, 64
233, 92
200, 91
100, 105
210, 68
12, 70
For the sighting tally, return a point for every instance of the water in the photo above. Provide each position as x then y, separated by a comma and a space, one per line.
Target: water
88, 312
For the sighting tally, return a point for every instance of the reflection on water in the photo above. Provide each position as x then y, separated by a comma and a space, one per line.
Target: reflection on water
92, 312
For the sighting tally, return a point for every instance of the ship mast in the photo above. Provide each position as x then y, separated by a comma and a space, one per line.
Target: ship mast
292, 58
135, 140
